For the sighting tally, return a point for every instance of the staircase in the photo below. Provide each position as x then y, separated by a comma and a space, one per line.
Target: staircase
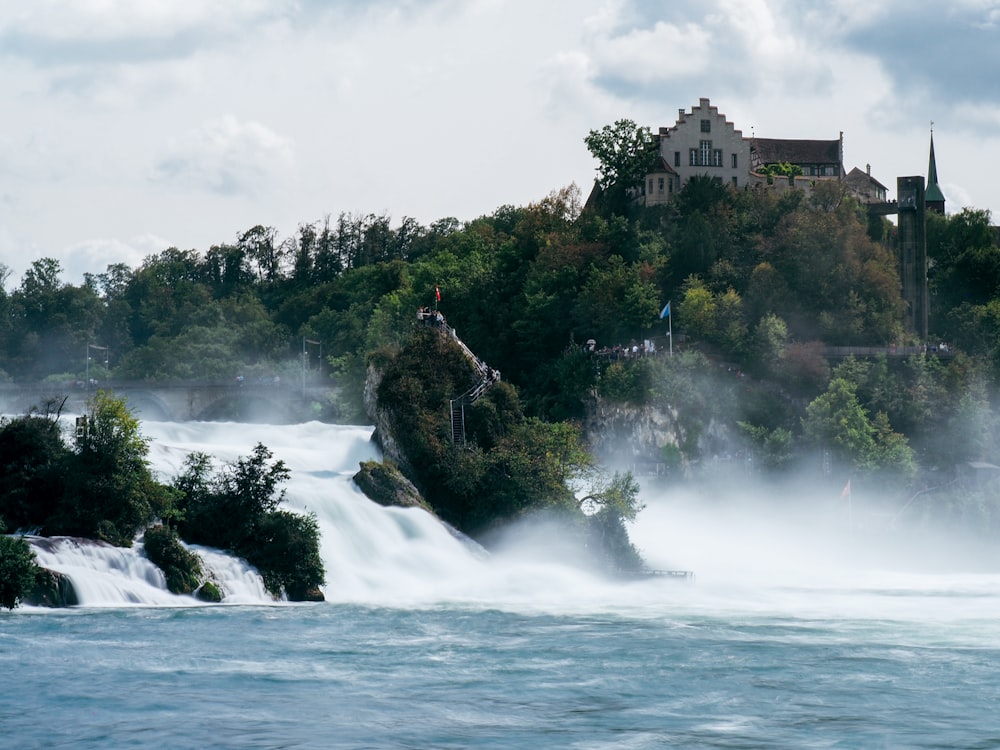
488, 377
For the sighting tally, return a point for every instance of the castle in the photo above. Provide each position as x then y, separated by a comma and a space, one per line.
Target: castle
704, 143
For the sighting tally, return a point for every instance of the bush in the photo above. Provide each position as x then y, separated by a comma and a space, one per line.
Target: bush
236, 509
181, 567
110, 492
32, 470
18, 570
286, 552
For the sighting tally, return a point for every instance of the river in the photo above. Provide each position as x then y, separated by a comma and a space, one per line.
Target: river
795, 633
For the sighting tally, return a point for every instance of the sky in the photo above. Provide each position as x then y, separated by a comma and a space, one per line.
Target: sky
130, 126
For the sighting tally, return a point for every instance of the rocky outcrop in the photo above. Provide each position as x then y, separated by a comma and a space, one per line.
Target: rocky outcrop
384, 484
382, 419
625, 435
52, 589
621, 433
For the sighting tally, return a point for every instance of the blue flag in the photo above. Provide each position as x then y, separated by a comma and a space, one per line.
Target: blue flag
666, 312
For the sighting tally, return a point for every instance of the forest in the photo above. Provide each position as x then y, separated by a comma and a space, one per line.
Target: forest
759, 283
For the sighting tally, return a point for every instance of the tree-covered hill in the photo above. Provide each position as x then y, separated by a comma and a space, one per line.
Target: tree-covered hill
759, 282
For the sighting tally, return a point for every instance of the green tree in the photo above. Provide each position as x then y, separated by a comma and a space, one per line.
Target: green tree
838, 421
110, 491
697, 309
181, 567
625, 153
18, 570
33, 459
237, 509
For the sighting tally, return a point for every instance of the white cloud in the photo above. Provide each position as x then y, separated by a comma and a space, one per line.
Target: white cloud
95, 255
75, 24
225, 156
196, 120
656, 54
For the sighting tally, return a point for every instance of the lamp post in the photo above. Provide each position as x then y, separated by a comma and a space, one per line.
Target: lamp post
87, 367
305, 359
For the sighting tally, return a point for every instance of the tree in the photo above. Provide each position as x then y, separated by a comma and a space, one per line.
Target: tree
617, 494
110, 492
236, 509
33, 462
697, 309
18, 570
836, 419
625, 153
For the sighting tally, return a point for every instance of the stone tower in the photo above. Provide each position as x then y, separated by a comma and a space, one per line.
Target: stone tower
912, 221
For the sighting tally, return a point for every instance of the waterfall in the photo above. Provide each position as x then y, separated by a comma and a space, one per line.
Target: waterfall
375, 555
369, 552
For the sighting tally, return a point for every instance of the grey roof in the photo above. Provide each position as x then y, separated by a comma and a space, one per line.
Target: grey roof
661, 165
858, 178
792, 151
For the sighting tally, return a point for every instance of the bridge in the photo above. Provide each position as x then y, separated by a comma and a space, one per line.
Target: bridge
181, 401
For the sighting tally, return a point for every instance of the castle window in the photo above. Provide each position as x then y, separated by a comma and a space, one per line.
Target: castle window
651, 184
705, 149
706, 126
677, 158
694, 157
717, 157
735, 183
661, 184
734, 163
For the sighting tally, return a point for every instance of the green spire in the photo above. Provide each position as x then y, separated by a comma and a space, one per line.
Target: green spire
933, 193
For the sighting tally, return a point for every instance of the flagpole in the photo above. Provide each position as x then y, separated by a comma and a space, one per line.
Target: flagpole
670, 328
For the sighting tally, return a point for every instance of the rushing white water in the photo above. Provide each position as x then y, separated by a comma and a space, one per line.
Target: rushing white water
748, 557
372, 554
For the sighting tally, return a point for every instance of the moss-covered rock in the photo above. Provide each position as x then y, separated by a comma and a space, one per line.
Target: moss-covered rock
51, 589
180, 566
384, 484
208, 592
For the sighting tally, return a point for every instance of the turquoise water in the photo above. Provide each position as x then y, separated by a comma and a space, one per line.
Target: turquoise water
346, 676
796, 633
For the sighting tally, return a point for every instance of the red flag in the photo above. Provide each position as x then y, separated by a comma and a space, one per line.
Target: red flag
437, 293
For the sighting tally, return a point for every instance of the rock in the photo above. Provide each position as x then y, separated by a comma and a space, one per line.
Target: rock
52, 589
383, 436
314, 594
384, 484
208, 592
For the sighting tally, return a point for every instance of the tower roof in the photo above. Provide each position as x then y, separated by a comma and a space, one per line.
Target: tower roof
933, 193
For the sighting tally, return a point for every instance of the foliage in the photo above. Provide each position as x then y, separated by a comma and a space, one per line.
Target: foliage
237, 509
514, 465
763, 280
33, 457
774, 447
783, 169
837, 420
625, 153
110, 492
18, 570
626, 381
180, 566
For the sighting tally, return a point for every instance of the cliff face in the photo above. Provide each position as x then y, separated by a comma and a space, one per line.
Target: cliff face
626, 435
618, 431
386, 486
384, 436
